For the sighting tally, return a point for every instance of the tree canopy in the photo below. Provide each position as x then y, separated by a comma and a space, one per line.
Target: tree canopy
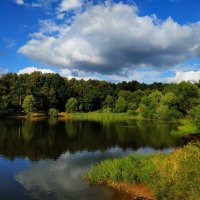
40, 92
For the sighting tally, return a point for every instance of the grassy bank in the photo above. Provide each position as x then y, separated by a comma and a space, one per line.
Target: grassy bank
187, 126
170, 176
98, 115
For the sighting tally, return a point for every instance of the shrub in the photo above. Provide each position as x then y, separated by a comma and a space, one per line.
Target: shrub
71, 105
53, 112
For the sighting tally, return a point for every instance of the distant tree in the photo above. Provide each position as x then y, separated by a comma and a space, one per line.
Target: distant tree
4, 101
53, 112
169, 99
154, 99
131, 106
195, 114
108, 103
29, 104
71, 105
187, 94
90, 100
163, 112
120, 105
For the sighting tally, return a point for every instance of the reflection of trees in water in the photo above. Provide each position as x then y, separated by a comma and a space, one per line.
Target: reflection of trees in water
50, 138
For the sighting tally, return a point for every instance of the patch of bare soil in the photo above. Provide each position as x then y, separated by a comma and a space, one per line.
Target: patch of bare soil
135, 191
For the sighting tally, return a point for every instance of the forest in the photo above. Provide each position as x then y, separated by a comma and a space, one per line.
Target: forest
39, 92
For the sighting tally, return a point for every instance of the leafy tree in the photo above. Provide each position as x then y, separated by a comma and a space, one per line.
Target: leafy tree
108, 103
90, 100
120, 105
4, 101
53, 112
167, 109
195, 114
72, 105
131, 106
154, 99
170, 100
165, 113
29, 104
144, 111
149, 104
187, 93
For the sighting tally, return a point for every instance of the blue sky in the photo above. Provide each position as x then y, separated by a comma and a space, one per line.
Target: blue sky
146, 40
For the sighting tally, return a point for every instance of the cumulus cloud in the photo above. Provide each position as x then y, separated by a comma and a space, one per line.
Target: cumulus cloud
113, 39
30, 70
20, 2
67, 5
193, 76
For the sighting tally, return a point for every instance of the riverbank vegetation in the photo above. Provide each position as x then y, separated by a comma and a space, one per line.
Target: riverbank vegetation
39, 92
169, 176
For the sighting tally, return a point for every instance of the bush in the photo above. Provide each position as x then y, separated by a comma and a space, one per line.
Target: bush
71, 105
120, 105
131, 112
53, 112
29, 104
107, 110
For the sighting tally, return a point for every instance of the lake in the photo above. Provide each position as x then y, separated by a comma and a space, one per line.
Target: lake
46, 159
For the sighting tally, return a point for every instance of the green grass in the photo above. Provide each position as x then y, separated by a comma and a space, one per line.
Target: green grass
98, 115
186, 127
171, 176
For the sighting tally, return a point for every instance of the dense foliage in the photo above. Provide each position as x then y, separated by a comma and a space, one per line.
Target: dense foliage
40, 92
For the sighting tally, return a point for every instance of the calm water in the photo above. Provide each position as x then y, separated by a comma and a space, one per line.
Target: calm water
45, 160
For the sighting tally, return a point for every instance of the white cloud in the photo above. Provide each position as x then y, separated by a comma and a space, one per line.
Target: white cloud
45, 4
193, 76
30, 70
20, 2
67, 5
113, 39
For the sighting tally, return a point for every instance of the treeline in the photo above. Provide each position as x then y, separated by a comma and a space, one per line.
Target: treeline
41, 92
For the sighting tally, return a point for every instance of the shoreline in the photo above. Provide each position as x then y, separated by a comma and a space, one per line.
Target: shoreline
153, 176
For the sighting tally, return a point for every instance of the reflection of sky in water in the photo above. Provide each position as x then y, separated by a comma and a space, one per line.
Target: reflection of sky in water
61, 179
64, 151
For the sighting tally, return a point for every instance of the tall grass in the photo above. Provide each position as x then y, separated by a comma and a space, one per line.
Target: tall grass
186, 127
98, 115
170, 176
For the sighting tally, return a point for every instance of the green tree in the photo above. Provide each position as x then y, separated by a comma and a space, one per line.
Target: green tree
187, 94
149, 104
170, 100
53, 112
167, 108
108, 103
4, 101
71, 105
120, 105
195, 114
154, 99
29, 104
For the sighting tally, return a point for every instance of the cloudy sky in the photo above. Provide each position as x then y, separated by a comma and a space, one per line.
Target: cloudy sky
144, 40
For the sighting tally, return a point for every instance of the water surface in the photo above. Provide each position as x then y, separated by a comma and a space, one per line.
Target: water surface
45, 159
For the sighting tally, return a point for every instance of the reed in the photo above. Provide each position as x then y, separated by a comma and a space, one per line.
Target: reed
170, 176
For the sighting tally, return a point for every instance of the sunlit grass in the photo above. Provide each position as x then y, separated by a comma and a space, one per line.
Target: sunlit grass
170, 176
186, 127
98, 115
